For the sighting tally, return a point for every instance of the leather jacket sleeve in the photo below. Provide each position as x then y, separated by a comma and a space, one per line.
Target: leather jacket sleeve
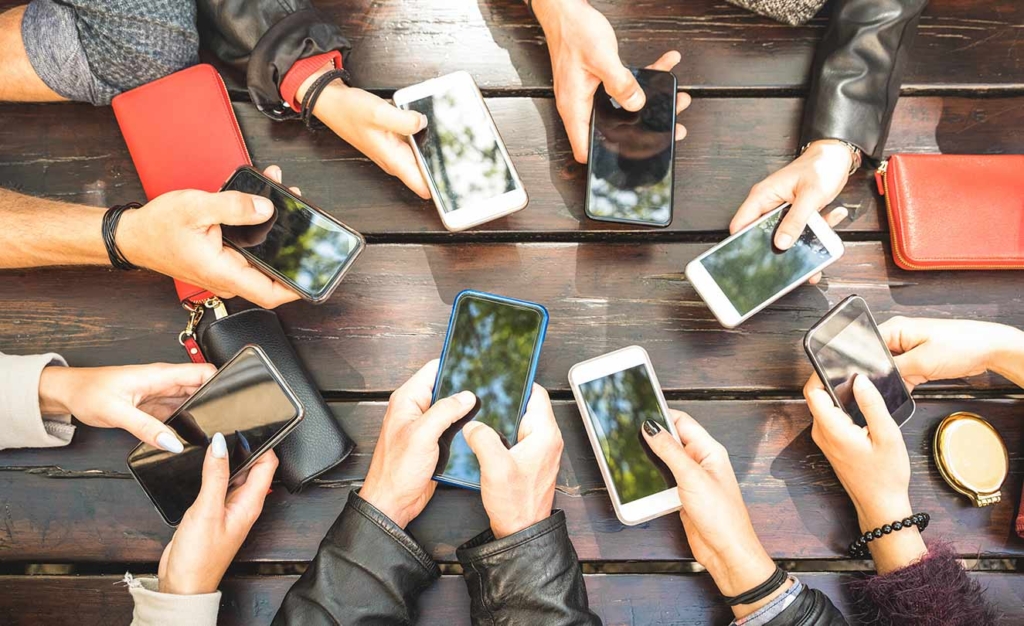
530, 577
858, 69
367, 571
262, 39
810, 608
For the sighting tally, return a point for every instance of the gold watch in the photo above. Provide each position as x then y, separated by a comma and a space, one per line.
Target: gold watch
971, 457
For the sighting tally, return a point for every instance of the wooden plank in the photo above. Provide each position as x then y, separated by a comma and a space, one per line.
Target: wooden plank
75, 153
616, 598
79, 503
391, 314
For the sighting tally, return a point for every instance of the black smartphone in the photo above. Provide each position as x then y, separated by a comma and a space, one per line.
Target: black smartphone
300, 246
248, 401
492, 349
846, 343
632, 155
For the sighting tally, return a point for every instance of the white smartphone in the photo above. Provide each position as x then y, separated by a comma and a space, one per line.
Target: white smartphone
746, 272
616, 393
461, 154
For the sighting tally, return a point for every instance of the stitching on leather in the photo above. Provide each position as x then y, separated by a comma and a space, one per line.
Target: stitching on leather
431, 568
487, 554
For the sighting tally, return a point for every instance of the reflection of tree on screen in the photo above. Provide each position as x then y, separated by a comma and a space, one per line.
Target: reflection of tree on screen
490, 352
619, 405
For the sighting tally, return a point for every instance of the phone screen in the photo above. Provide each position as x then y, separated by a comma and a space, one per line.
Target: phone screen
849, 344
308, 250
244, 402
490, 350
750, 270
631, 155
618, 405
460, 148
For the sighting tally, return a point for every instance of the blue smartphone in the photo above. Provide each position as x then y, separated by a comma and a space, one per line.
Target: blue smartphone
492, 349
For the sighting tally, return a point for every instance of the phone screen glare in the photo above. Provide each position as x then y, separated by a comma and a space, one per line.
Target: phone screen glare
618, 405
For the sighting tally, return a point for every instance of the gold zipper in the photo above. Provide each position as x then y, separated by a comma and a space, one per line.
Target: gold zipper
883, 167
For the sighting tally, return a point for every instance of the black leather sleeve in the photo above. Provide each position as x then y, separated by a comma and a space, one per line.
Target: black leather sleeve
367, 571
531, 577
810, 608
857, 72
261, 39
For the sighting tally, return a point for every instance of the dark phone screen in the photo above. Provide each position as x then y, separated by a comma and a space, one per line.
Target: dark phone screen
489, 351
306, 249
850, 344
750, 270
618, 406
460, 149
631, 154
244, 402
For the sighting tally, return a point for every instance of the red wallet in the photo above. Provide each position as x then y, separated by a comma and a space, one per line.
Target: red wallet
955, 211
182, 134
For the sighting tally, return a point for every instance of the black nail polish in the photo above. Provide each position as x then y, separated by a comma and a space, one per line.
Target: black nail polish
651, 427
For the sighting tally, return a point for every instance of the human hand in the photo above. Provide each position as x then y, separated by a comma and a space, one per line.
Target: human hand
400, 481
374, 127
934, 349
714, 516
179, 234
213, 529
518, 485
135, 398
584, 54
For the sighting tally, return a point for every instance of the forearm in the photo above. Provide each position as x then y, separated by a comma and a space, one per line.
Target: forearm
1007, 359
39, 232
18, 80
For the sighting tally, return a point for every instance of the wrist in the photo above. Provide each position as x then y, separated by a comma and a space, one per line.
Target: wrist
550, 10
836, 151
54, 383
127, 238
385, 505
300, 93
501, 530
880, 513
169, 585
741, 569
1007, 352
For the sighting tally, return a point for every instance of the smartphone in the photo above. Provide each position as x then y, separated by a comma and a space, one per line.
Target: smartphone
300, 246
847, 343
248, 401
746, 272
492, 349
632, 155
468, 170
616, 393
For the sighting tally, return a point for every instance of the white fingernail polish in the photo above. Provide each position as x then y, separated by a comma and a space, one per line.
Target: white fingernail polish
170, 443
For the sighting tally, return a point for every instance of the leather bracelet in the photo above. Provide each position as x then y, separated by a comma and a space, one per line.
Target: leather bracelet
314, 91
110, 221
762, 591
859, 547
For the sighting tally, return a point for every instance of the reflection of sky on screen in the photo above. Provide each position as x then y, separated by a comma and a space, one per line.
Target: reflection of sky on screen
648, 204
460, 149
749, 270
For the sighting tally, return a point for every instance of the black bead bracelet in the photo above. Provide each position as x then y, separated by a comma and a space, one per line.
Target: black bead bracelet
859, 547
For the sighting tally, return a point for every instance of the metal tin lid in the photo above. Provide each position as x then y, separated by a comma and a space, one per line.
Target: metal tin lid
971, 457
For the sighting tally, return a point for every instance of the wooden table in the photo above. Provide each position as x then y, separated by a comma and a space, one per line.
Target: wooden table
606, 286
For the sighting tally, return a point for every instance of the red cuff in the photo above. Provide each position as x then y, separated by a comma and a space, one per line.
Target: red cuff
303, 69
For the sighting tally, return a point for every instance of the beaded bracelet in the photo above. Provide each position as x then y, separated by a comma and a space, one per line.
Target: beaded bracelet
859, 548
109, 230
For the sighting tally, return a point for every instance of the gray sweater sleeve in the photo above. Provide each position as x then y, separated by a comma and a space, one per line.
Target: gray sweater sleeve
21, 423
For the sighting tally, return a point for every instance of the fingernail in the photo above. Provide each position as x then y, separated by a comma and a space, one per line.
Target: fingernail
783, 241
423, 122
220, 447
275, 173
465, 398
651, 427
169, 442
264, 207
861, 382
635, 100
841, 213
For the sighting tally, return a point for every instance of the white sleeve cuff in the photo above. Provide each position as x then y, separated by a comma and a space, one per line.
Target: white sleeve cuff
153, 608
21, 423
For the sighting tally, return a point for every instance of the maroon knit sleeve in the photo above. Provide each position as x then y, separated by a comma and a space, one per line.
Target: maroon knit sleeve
931, 592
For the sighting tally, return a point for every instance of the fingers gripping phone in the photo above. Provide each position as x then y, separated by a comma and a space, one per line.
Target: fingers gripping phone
632, 155
248, 401
746, 272
301, 246
492, 349
846, 343
616, 393
468, 170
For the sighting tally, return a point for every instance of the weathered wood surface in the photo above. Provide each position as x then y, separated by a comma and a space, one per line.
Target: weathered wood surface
391, 313
80, 504
75, 153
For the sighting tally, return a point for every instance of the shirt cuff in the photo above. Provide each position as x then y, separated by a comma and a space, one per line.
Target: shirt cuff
300, 71
153, 608
23, 425
772, 610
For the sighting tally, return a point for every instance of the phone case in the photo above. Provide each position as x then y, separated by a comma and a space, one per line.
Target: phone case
319, 443
542, 333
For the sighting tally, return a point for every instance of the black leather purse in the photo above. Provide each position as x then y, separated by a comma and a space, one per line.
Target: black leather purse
319, 443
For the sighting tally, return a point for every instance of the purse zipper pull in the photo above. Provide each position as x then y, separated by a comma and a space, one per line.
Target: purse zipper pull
883, 167
187, 337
